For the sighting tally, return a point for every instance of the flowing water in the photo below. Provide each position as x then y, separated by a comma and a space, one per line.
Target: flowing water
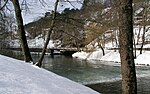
101, 76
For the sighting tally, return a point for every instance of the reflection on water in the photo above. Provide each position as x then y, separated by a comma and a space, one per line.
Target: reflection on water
143, 86
80, 70
106, 74
87, 72
13, 54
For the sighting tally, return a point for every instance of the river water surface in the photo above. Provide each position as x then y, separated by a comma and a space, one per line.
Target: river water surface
101, 76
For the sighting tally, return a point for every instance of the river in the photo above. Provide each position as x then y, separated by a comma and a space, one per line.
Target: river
101, 76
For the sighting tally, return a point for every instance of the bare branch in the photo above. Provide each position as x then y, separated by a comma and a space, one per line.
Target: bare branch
71, 35
71, 3
43, 2
3, 5
26, 6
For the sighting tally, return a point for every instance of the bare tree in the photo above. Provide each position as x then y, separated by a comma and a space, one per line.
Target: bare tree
129, 82
144, 22
48, 36
21, 32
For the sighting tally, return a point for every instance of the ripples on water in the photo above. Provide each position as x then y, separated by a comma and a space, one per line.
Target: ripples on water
106, 74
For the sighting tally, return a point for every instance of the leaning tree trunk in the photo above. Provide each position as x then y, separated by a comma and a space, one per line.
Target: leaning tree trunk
21, 32
99, 44
138, 36
39, 63
143, 40
129, 83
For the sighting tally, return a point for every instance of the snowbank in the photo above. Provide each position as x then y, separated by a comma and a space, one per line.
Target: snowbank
18, 77
143, 59
95, 55
110, 55
80, 55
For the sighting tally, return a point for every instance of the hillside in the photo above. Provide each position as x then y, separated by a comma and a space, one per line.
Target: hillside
69, 26
95, 20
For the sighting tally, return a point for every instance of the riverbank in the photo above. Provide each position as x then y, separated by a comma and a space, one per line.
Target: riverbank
18, 77
90, 72
112, 56
143, 85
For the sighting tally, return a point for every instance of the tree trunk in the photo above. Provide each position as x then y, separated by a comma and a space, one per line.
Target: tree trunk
102, 49
21, 32
143, 40
99, 44
145, 14
116, 41
129, 83
134, 48
138, 36
39, 64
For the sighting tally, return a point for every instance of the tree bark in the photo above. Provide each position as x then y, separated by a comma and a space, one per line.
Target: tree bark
129, 83
138, 36
134, 47
143, 40
39, 64
21, 32
99, 44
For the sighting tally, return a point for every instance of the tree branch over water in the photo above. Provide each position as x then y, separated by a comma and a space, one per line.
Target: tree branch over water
39, 63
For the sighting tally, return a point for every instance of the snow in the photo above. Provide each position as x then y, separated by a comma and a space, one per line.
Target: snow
81, 55
114, 56
18, 77
37, 42
98, 55
139, 11
14, 43
143, 59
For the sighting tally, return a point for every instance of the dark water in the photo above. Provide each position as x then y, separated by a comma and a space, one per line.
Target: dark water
82, 71
101, 76
143, 86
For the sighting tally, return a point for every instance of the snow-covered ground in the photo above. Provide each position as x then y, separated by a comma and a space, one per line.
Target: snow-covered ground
18, 77
37, 42
114, 56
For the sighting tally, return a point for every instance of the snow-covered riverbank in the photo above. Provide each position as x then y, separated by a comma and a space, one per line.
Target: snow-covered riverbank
18, 77
110, 55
